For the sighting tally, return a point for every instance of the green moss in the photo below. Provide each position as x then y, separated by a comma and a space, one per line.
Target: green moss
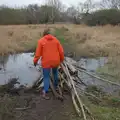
109, 72
105, 113
107, 109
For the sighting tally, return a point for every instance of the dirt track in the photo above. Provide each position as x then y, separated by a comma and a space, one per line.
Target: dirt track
52, 109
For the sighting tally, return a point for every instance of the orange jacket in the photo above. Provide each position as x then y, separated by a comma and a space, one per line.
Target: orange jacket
51, 51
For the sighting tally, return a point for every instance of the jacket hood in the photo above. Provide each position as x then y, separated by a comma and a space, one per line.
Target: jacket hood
48, 37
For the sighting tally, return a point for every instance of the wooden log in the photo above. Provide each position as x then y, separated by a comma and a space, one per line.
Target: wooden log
72, 68
61, 81
79, 79
25, 108
89, 94
88, 111
66, 83
70, 60
65, 72
75, 105
60, 90
54, 91
38, 82
108, 81
74, 89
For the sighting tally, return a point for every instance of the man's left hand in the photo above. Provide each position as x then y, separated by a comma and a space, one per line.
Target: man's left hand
35, 64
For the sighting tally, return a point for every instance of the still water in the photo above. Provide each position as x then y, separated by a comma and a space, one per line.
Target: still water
21, 66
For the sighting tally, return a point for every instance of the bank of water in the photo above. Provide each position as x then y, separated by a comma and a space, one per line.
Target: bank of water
91, 65
21, 66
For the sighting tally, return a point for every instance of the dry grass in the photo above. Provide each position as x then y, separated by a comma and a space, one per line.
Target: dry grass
94, 41
20, 38
91, 41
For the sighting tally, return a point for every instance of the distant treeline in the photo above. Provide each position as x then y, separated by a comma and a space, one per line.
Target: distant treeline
103, 17
56, 12
32, 14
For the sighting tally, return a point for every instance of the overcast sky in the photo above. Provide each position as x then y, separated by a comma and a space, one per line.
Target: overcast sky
26, 2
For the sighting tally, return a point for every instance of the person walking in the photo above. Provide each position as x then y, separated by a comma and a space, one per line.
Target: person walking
52, 55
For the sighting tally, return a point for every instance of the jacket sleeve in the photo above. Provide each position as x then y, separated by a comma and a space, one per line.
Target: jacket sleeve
38, 52
61, 52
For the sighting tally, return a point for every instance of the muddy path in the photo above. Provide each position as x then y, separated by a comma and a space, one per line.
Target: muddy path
51, 110
40, 109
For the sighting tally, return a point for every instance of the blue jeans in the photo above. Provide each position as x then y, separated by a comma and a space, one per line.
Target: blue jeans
46, 77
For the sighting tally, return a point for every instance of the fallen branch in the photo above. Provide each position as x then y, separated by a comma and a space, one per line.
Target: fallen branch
88, 112
75, 105
38, 82
89, 94
108, 81
79, 79
54, 92
25, 108
73, 86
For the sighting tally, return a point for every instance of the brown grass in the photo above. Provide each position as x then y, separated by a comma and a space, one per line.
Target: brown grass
95, 41
20, 38
91, 41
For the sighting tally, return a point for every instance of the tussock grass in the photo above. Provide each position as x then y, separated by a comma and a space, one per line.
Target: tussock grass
90, 41
20, 38
105, 107
105, 113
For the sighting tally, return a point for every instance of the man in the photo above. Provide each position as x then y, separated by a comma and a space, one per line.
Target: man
52, 54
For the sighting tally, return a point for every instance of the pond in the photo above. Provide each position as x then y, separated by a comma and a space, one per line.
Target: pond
91, 65
19, 65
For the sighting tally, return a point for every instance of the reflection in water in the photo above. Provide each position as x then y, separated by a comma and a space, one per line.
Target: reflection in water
3, 61
91, 64
20, 65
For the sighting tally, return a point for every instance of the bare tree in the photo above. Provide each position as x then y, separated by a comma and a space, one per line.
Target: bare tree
87, 6
56, 7
32, 13
78, 12
115, 4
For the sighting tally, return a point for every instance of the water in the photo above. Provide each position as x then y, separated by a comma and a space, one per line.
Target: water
21, 66
91, 65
